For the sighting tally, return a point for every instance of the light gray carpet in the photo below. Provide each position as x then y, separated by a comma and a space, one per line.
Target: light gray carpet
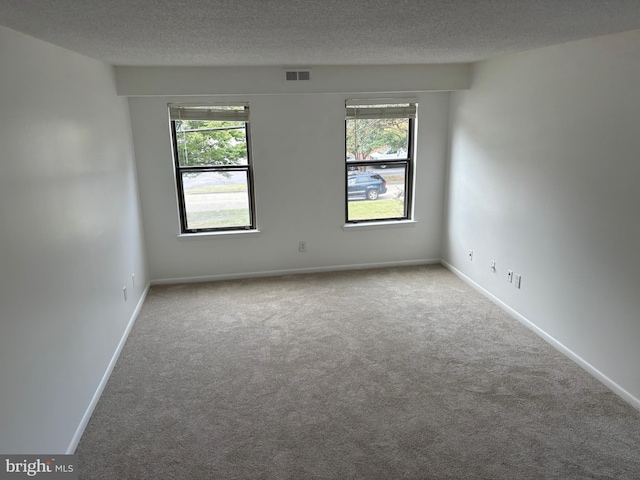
376, 374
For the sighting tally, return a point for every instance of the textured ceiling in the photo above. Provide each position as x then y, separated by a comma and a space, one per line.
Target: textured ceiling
311, 32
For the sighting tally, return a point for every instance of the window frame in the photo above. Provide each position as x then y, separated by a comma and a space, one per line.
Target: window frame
179, 170
408, 162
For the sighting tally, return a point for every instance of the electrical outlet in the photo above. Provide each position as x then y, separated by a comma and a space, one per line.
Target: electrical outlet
124, 291
493, 266
302, 246
509, 276
516, 280
471, 255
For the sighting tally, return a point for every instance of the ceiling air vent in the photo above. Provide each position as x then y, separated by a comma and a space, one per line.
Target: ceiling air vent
294, 75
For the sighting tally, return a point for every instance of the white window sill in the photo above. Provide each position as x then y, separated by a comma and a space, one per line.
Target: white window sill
204, 235
380, 225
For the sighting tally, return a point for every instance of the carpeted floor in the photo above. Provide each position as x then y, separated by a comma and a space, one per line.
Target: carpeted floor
375, 374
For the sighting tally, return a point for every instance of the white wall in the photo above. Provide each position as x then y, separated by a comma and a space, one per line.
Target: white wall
298, 153
70, 238
143, 81
544, 179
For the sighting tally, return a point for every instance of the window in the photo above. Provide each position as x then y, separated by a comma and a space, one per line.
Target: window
379, 161
214, 177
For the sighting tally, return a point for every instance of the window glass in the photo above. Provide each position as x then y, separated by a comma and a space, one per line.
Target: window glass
213, 167
202, 143
216, 199
383, 138
377, 196
379, 161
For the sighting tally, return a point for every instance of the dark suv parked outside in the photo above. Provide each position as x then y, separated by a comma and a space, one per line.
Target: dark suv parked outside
367, 185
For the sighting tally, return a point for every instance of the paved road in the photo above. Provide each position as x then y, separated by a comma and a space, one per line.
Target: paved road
204, 202
208, 179
200, 180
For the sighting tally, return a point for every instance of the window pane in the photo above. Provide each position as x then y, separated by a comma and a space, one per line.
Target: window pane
206, 142
377, 139
216, 199
376, 194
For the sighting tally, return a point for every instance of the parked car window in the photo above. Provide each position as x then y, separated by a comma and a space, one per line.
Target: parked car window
214, 177
379, 136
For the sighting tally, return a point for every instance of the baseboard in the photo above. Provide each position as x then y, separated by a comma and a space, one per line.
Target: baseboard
593, 371
293, 271
105, 378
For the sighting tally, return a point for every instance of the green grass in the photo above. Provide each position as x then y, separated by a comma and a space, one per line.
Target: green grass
237, 187
218, 218
373, 209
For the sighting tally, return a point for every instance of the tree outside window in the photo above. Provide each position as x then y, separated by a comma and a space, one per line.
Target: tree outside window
213, 167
